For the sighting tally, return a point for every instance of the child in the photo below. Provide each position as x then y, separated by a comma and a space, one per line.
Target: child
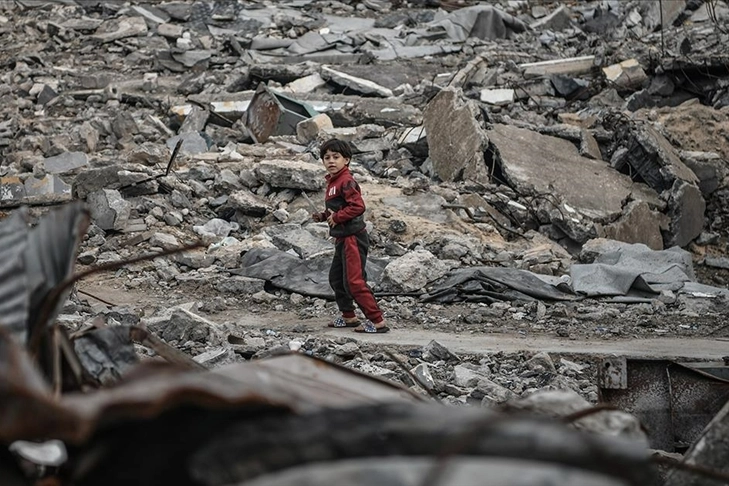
344, 214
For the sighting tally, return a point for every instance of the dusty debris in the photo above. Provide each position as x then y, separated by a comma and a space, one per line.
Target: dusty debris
494, 144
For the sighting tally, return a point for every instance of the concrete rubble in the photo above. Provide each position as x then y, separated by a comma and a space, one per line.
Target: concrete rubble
536, 138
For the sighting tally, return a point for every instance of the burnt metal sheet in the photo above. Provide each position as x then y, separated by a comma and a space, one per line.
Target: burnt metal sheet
32, 262
270, 113
293, 383
673, 401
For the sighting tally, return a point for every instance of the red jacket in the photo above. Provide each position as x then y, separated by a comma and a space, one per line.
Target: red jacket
344, 201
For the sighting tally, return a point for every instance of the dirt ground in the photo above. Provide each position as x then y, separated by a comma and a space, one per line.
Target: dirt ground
446, 325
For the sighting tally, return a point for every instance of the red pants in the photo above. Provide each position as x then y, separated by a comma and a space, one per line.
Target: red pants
348, 278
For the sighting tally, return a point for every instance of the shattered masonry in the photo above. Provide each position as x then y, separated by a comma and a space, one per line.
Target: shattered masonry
551, 170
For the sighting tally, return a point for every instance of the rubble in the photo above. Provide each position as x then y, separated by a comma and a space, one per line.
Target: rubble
495, 145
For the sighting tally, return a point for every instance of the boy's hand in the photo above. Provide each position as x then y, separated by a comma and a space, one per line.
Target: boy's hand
318, 217
330, 220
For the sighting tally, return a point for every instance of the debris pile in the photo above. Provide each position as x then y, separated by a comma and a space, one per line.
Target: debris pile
535, 168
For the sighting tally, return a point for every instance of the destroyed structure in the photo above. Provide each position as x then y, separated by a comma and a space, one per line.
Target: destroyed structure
536, 168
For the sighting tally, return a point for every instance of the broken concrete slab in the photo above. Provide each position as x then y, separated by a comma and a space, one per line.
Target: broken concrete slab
392, 53
92, 180
238, 285
413, 271
423, 205
50, 184
192, 143
626, 74
150, 154
560, 19
170, 31
709, 167
194, 259
121, 28
247, 203
165, 241
358, 85
639, 224
497, 96
568, 66
181, 325
589, 147
109, 210
352, 134
532, 162
291, 174
293, 237
715, 262
152, 14
65, 162
686, 209
456, 141
653, 158
307, 84
195, 120
308, 130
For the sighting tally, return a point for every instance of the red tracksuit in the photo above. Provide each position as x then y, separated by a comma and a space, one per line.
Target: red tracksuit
347, 274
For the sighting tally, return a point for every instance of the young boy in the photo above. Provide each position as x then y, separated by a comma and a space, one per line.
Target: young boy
344, 214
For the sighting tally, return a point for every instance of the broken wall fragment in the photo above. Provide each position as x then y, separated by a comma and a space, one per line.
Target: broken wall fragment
456, 141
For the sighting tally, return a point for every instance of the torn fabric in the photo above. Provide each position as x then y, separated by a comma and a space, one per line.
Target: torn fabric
492, 284
633, 267
289, 272
480, 21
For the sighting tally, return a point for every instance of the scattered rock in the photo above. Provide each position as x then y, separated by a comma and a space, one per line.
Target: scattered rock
414, 270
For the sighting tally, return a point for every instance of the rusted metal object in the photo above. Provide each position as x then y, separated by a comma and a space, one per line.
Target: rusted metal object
674, 401
295, 383
270, 113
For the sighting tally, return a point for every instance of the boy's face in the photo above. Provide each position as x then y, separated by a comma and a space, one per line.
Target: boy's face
334, 161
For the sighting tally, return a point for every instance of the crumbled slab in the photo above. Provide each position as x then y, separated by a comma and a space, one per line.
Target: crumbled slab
532, 162
360, 85
686, 213
626, 74
456, 141
639, 224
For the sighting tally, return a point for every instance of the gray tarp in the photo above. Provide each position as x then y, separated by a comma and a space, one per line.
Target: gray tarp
491, 284
481, 21
625, 272
632, 268
289, 272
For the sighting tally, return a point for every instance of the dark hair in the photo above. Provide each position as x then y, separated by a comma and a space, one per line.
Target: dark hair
341, 147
